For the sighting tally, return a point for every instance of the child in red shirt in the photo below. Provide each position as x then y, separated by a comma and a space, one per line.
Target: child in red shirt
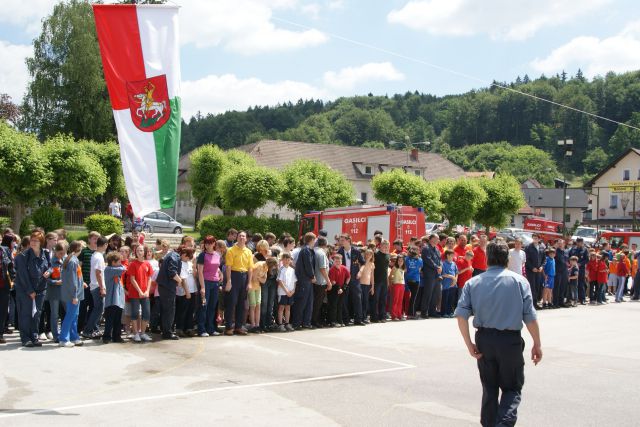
592, 276
339, 276
603, 278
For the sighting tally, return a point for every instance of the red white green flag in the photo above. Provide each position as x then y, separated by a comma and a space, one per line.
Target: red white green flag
140, 55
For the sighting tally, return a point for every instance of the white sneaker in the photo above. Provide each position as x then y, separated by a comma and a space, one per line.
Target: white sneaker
66, 344
146, 338
129, 336
137, 338
42, 337
204, 334
78, 343
49, 336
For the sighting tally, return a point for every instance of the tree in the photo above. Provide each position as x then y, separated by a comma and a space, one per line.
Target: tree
9, 111
312, 185
625, 137
249, 188
76, 174
399, 187
108, 155
25, 172
207, 166
504, 199
67, 92
462, 198
239, 158
595, 161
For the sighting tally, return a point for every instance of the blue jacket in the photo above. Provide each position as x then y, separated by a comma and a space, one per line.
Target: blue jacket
8, 271
171, 265
29, 272
72, 284
113, 283
431, 260
357, 260
54, 286
305, 266
414, 265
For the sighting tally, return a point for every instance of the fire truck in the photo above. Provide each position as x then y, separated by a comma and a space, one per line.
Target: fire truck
546, 229
360, 222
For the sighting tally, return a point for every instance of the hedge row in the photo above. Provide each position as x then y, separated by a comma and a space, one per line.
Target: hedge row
217, 225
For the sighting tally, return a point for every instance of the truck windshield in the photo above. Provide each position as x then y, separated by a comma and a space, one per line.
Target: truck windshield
308, 224
585, 232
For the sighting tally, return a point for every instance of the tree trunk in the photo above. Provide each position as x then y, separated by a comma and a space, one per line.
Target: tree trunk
198, 213
17, 216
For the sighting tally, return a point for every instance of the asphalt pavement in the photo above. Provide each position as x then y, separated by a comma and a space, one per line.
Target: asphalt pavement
393, 374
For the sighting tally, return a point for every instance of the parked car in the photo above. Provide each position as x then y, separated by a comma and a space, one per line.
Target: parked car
588, 234
160, 222
509, 234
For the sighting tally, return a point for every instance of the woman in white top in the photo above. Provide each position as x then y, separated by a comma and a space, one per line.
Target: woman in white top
186, 297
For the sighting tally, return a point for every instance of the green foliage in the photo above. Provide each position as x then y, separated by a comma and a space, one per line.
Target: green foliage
521, 162
311, 185
504, 198
625, 137
595, 161
5, 222
108, 155
207, 166
67, 92
26, 226
249, 188
462, 199
217, 225
25, 175
48, 217
239, 158
402, 188
75, 173
103, 224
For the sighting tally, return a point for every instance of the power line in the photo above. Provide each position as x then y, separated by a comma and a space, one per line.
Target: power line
451, 71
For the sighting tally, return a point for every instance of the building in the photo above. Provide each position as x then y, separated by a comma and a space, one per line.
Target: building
615, 192
359, 165
547, 203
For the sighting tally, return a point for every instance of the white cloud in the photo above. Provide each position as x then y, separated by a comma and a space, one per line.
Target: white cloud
13, 70
311, 9
217, 94
242, 26
349, 77
29, 16
335, 4
596, 56
500, 19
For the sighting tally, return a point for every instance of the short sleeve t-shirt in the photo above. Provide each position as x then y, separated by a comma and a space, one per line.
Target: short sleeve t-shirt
210, 266
463, 263
287, 276
321, 262
450, 268
142, 272
186, 273
260, 269
97, 263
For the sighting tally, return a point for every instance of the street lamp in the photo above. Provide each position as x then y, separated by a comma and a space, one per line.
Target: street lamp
409, 145
567, 144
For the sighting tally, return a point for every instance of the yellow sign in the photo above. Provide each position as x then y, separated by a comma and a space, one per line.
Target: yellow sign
624, 186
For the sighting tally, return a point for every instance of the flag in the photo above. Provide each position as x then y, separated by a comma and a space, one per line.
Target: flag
140, 56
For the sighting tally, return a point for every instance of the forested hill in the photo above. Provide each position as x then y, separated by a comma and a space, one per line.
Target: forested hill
479, 116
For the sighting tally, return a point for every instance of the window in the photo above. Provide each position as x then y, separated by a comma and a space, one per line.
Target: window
275, 216
639, 174
567, 219
152, 215
614, 201
626, 175
163, 216
368, 170
363, 197
418, 172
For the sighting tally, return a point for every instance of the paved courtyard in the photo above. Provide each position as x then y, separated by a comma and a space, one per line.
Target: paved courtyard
393, 374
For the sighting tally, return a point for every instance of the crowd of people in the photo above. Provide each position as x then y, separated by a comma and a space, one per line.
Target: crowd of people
114, 288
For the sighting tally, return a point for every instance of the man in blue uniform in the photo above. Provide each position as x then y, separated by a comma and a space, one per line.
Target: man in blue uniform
500, 301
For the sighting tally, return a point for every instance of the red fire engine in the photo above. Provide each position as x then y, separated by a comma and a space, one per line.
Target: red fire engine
395, 222
545, 228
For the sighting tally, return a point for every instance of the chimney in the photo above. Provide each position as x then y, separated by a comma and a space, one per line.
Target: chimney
414, 154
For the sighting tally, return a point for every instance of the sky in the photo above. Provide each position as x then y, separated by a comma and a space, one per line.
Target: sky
240, 53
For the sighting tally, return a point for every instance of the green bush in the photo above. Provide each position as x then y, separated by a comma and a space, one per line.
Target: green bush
5, 222
48, 217
103, 224
26, 226
217, 225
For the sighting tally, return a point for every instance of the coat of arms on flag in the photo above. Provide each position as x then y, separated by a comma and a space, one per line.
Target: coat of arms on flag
149, 103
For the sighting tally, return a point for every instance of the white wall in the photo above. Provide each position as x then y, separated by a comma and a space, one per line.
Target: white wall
615, 175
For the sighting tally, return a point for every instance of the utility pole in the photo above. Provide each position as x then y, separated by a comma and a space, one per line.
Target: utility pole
567, 144
409, 145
